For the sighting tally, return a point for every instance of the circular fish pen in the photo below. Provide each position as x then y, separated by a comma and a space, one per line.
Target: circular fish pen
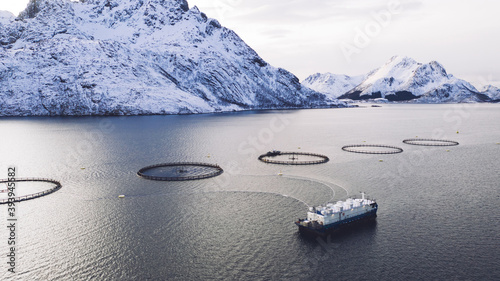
372, 149
293, 158
5, 192
430, 142
180, 171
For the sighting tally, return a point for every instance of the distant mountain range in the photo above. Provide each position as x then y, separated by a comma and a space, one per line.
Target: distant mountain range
124, 57
492, 92
333, 85
402, 79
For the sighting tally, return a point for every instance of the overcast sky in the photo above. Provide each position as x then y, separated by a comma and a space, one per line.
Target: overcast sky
355, 36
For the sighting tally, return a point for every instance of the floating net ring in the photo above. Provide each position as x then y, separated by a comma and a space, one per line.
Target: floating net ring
431, 142
293, 158
364, 149
180, 171
5, 192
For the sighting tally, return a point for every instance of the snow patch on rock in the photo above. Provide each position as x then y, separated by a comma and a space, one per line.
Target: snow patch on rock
124, 57
332, 85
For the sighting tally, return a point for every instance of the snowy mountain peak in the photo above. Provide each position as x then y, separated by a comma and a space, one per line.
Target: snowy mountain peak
401, 79
111, 4
489, 88
332, 85
6, 17
404, 79
438, 68
400, 61
99, 57
141, 14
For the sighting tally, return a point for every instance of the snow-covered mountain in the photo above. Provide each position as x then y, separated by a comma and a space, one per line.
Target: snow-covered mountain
404, 79
98, 57
6, 17
492, 92
333, 85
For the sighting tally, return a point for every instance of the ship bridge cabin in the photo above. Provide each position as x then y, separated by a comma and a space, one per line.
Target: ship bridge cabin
339, 211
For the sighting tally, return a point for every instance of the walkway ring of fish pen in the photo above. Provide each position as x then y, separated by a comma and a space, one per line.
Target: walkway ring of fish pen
323, 159
57, 186
358, 148
217, 171
430, 142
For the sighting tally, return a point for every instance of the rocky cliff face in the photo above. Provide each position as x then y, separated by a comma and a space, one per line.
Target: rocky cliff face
121, 57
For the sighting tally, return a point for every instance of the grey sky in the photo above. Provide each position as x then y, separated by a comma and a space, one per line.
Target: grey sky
347, 36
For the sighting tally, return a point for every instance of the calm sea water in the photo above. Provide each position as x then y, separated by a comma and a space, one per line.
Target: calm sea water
438, 206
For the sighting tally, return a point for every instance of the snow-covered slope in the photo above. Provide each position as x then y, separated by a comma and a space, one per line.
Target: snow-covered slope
404, 79
333, 85
492, 92
6, 17
98, 57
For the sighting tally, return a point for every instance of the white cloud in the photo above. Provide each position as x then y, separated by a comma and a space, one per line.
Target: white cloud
13, 6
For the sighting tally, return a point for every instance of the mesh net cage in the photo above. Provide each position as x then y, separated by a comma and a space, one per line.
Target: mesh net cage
6, 196
372, 149
293, 158
180, 171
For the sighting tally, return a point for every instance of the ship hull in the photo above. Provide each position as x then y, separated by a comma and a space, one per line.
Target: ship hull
328, 229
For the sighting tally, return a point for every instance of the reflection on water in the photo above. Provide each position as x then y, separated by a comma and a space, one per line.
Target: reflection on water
432, 201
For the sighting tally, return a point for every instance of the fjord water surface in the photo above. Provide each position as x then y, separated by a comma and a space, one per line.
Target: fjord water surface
438, 216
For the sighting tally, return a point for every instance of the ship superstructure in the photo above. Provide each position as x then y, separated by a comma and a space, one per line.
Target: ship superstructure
324, 219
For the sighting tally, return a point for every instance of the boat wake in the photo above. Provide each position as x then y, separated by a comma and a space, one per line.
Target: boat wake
290, 186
